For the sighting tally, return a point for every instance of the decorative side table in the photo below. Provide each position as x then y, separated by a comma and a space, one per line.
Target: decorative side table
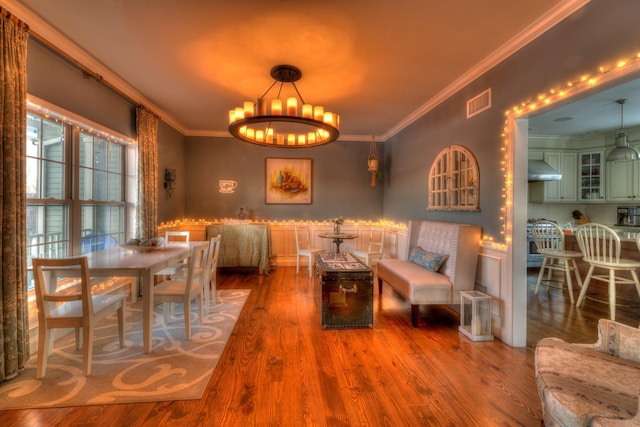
475, 315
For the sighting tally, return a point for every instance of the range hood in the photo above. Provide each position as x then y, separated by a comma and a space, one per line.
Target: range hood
539, 170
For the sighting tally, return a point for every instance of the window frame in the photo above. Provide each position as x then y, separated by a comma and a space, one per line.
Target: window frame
453, 167
73, 127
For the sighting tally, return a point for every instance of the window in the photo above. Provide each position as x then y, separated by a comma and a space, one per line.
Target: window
453, 181
101, 193
76, 190
47, 189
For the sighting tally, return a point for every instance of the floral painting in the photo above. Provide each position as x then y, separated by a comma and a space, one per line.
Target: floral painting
288, 181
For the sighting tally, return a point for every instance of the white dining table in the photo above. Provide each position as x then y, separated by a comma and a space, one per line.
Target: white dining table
142, 266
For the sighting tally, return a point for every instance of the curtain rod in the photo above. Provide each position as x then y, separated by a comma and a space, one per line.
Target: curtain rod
14, 18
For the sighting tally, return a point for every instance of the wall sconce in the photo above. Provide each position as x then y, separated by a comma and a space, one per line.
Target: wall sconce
169, 181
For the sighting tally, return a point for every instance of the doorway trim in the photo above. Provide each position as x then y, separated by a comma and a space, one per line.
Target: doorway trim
515, 187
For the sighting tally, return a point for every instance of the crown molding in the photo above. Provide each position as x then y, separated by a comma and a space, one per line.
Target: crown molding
554, 16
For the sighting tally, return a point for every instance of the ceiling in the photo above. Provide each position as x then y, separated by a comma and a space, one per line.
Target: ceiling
591, 115
380, 65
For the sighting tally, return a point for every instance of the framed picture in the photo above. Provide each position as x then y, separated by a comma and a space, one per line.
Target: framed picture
288, 181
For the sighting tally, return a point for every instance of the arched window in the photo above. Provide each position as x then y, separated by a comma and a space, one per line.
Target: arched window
453, 181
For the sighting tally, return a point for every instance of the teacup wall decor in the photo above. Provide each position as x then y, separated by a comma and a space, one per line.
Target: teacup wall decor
227, 185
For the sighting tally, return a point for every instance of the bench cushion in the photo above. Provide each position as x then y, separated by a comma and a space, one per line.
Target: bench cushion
415, 283
578, 382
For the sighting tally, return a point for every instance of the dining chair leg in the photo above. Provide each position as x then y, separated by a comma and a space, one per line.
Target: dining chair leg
207, 297
87, 349
575, 268
43, 352
187, 319
166, 306
297, 264
636, 281
200, 310
567, 270
121, 324
541, 274
78, 340
550, 264
585, 285
612, 294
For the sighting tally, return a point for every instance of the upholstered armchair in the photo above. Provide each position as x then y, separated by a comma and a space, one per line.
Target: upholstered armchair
591, 384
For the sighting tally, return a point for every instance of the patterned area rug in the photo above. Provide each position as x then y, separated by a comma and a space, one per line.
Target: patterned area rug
175, 370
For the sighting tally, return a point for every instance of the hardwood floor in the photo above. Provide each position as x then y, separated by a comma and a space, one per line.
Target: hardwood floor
281, 369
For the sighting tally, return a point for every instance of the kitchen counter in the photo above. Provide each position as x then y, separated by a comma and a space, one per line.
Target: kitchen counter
626, 234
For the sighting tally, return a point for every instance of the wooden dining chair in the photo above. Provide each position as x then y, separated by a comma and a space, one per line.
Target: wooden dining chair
601, 248
71, 308
550, 242
184, 290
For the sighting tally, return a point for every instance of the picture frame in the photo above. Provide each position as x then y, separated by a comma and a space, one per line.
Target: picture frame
288, 181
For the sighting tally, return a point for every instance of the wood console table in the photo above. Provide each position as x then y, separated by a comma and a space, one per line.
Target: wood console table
243, 245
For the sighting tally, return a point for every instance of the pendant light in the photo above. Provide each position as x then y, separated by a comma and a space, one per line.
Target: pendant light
622, 151
373, 161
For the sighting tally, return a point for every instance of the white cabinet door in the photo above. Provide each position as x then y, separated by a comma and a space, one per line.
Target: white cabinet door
565, 190
622, 181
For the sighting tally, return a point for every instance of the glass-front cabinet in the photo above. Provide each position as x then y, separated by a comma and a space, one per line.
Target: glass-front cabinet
591, 176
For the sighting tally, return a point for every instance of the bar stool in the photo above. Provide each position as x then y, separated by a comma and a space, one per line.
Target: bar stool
549, 240
600, 246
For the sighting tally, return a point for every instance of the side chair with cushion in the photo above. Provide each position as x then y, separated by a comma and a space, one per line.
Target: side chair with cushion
210, 255
173, 238
600, 247
71, 308
303, 247
213, 254
184, 290
374, 249
549, 240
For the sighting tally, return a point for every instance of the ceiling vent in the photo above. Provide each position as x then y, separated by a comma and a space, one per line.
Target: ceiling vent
479, 103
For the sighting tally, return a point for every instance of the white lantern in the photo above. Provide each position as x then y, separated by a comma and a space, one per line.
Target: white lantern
475, 315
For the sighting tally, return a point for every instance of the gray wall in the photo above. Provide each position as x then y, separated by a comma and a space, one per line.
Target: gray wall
55, 80
172, 155
599, 34
341, 182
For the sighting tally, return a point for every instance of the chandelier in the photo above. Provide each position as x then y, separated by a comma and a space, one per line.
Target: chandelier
292, 124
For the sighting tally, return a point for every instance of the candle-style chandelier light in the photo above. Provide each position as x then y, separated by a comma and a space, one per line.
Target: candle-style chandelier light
291, 123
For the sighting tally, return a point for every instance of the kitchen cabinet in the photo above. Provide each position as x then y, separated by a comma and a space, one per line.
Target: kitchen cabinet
623, 182
591, 176
565, 190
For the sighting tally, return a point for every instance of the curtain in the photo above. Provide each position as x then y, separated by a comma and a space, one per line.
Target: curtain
13, 121
147, 212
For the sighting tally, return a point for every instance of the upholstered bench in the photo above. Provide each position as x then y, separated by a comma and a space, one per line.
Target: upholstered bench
442, 262
591, 384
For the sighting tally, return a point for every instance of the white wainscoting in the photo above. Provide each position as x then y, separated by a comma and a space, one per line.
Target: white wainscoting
492, 278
